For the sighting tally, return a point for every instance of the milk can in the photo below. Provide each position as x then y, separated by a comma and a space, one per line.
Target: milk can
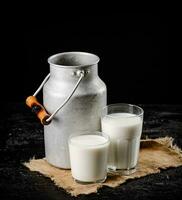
73, 97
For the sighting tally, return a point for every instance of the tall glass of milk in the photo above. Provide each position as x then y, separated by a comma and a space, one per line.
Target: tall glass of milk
123, 124
89, 157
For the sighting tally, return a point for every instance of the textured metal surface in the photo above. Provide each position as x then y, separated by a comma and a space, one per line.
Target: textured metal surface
81, 113
22, 138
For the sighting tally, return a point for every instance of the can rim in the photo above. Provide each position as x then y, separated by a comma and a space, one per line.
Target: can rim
51, 58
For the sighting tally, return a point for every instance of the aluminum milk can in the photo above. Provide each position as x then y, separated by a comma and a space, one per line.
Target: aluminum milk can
74, 96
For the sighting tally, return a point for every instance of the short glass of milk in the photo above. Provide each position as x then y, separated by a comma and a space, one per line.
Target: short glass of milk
123, 124
89, 157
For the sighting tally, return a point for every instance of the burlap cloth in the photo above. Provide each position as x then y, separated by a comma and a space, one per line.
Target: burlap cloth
155, 154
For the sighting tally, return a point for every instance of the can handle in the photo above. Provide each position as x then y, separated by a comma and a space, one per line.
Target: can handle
39, 109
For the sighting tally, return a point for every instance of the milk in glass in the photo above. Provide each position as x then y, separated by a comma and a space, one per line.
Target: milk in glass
88, 156
124, 130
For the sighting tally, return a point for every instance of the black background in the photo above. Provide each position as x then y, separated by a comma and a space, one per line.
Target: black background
133, 50
137, 64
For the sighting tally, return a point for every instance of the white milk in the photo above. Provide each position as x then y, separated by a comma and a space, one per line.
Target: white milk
124, 130
88, 156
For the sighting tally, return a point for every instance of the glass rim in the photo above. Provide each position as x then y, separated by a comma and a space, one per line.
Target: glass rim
124, 104
102, 134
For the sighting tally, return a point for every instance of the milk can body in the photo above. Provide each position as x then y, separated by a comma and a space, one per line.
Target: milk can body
82, 112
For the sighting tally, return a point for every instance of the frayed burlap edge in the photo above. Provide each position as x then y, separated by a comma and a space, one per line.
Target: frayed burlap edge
171, 156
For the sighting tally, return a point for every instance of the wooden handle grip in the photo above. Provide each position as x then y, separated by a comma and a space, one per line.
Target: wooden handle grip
37, 108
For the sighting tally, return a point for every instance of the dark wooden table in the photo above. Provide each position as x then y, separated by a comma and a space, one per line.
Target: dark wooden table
21, 138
